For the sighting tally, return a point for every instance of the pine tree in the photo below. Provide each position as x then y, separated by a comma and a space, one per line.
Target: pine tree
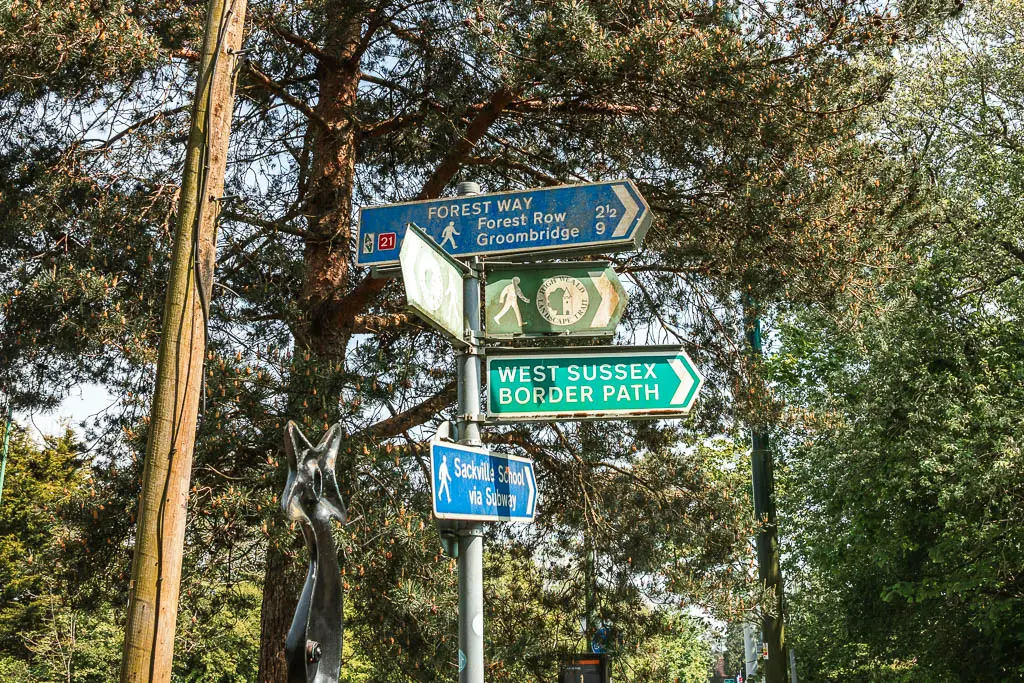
742, 134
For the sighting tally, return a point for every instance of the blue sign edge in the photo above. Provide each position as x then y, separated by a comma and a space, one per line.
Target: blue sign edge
643, 223
483, 450
590, 351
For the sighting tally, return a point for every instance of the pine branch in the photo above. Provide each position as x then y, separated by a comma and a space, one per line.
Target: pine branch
137, 125
273, 86
476, 129
362, 324
185, 53
387, 83
307, 46
513, 165
537, 105
412, 417
390, 125
356, 301
408, 36
274, 226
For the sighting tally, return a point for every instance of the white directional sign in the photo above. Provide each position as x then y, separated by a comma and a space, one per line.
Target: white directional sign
433, 284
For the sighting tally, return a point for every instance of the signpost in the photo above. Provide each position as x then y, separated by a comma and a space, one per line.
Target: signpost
599, 642
433, 284
607, 382
569, 218
475, 484
553, 298
469, 484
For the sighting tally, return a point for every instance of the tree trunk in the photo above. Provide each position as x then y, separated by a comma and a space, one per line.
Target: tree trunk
326, 278
332, 176
279, 601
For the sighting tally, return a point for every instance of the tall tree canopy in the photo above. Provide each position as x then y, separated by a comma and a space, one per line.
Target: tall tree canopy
738, 123
903, 488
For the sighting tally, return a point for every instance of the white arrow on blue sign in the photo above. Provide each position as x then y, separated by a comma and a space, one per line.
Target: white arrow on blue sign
473, 483
607, 216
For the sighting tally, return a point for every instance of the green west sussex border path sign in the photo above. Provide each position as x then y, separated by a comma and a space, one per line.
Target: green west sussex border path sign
596, 383
553, 298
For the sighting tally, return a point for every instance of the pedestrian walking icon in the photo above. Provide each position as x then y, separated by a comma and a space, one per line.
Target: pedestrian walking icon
445, 477
509, 300
449, 234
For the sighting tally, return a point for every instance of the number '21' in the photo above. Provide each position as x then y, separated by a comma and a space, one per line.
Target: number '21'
604, 211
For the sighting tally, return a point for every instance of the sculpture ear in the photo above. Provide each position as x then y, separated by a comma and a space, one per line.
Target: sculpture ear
294, 443
330, 443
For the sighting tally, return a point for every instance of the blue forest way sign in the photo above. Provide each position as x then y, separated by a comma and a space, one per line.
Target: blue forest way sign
607, 216
473, 483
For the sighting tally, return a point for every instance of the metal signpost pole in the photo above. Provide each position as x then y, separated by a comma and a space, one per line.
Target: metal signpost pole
7, 443
471, 541
769, 572
435, 242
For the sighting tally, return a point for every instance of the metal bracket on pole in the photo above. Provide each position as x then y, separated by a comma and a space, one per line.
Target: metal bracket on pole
475, 343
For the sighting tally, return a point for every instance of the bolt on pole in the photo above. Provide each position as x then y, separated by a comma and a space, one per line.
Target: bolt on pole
471, 537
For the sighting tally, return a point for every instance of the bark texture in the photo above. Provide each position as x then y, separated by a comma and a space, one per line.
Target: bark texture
156, 565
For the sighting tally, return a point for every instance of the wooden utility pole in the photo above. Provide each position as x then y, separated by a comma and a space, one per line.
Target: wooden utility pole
159, 538
769, 571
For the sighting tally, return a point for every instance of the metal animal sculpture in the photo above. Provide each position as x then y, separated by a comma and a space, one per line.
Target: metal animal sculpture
311, 498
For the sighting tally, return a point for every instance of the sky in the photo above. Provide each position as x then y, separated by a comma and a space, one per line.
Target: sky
84, 401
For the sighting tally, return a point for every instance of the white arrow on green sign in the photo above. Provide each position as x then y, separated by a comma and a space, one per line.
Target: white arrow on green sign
433, 284
608, 382
553, 298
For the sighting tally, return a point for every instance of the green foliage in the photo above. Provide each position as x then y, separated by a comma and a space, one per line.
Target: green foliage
681, 653
904, 492
901, 485
219, 637
70, 48
51, 626
745, 137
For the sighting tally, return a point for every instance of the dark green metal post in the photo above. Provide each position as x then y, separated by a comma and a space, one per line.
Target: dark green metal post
769, 573
7, 444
